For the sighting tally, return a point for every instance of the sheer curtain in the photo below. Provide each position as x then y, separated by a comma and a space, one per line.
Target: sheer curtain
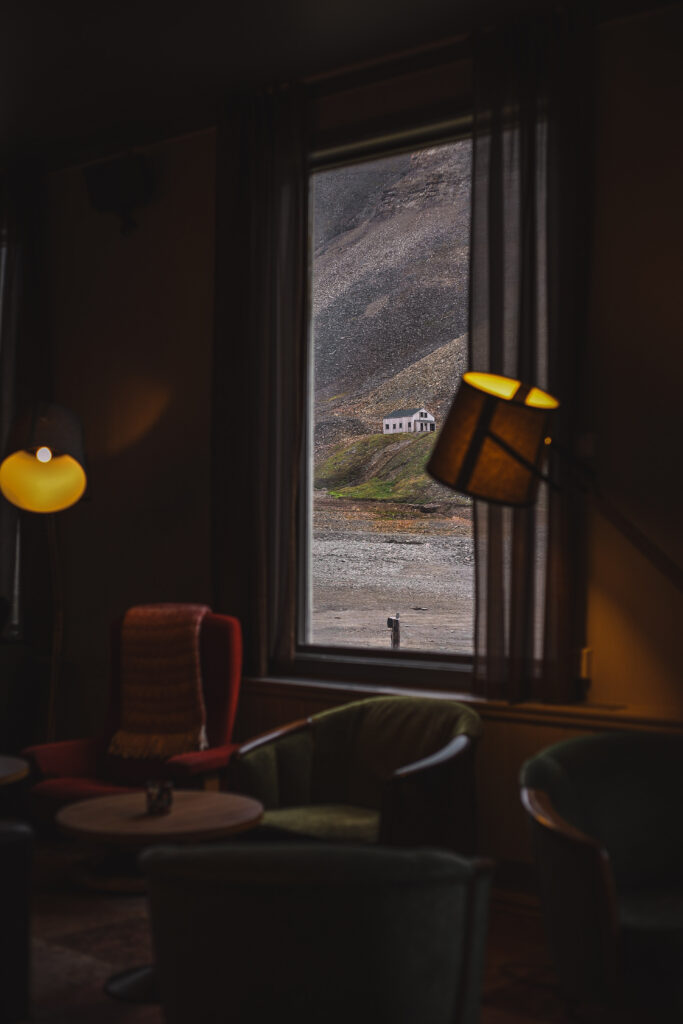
25, 373
530, 210
10, 287
260, 368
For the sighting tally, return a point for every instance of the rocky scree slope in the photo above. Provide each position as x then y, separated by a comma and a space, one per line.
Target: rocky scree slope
391, 241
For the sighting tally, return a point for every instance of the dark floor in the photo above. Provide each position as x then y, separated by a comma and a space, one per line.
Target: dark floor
82, 937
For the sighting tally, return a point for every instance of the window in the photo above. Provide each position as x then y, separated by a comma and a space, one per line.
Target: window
389, 302
291, 631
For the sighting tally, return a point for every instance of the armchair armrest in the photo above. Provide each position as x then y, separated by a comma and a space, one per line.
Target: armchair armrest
579, 900
64, 759
455, 748
184, 768
433, 801
272, 736
257, 767
539, 806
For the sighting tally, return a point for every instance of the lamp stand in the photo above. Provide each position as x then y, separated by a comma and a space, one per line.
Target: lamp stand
57, 626
651, 551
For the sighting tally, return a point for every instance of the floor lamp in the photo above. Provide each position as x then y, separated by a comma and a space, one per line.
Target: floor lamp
43, 471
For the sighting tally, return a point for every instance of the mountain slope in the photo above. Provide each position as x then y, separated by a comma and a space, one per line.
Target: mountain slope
390, 282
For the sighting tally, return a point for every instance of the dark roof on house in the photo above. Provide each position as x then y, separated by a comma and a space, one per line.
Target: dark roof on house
402, 412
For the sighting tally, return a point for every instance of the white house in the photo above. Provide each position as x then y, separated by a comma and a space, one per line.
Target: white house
408, 421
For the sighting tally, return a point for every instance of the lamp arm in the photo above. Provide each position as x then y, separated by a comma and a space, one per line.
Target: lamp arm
609, 510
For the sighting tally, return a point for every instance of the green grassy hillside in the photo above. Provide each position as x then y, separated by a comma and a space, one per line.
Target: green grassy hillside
381, 467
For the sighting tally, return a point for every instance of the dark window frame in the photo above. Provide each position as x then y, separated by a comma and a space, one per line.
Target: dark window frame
424, 126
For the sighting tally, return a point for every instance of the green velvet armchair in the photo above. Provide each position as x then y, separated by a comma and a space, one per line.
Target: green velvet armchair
393, 770
262, 932
608, 834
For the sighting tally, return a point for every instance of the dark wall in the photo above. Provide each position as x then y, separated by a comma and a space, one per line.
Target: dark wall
131, 320
131, 325
635, 613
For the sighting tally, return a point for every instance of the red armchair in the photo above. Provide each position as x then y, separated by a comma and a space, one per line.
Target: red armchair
72, 770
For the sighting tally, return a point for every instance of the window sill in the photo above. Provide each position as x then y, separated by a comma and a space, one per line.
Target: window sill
387, 670
586, 715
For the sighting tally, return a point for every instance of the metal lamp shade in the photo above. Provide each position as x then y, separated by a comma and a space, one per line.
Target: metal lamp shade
492, 442
44, 466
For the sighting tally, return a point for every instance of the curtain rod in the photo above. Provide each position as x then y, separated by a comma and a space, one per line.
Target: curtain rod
427, 50
437, 132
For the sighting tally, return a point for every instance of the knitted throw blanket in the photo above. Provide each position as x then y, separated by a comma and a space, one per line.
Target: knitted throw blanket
162, 704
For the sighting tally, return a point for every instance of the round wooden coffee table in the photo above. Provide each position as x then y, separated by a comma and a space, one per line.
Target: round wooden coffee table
196, 816
12, 769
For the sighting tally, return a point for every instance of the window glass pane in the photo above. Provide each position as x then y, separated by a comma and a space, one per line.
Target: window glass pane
390, 256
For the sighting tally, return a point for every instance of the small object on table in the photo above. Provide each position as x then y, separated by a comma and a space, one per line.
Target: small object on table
159, 796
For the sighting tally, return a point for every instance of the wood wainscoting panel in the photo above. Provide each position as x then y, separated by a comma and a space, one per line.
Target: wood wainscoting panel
512, 733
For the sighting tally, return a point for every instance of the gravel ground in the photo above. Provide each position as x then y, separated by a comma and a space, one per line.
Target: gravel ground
373, 559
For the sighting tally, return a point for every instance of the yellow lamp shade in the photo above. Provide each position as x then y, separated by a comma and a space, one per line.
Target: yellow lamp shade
43, 469
492, 442
41, 486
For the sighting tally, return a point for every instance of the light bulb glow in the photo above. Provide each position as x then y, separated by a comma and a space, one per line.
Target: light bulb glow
541, 399
506, 388
493, 384
44, 454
